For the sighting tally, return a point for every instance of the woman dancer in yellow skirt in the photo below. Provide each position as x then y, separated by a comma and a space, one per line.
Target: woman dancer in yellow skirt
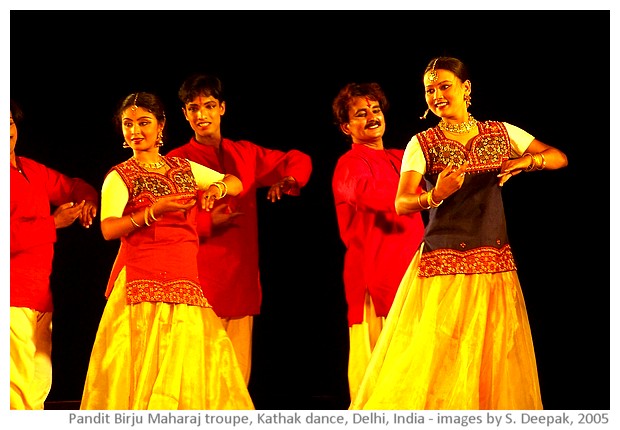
457, 335
159, 344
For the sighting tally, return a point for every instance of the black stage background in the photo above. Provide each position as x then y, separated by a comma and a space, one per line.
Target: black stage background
545, 71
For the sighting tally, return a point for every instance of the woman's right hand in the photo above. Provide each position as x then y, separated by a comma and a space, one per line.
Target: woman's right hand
172, 203
450, 180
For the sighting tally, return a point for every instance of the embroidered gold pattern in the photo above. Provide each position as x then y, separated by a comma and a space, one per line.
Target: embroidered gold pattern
177, 291
185, 181
150, 185
480, 260
146, 187
487, 150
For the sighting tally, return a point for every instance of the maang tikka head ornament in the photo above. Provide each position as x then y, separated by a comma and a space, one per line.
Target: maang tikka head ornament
432, 75
135, 103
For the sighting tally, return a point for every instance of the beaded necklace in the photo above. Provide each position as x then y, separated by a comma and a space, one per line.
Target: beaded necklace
157, 165
460, 128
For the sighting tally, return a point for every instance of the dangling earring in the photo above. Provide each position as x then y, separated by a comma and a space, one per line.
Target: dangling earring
425, 113
125, 144
467, 99
160, 139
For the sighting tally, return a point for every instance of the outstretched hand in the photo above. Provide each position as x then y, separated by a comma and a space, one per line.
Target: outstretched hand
287, 185
222, 215
88, 213
512, 168
67, 213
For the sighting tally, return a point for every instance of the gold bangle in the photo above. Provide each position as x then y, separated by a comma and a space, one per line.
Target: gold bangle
133, 221
431, 202
420, 202
532, 162
146, 217
536, 162
151, 214
540, 161
219, 184
225, 188
543, 163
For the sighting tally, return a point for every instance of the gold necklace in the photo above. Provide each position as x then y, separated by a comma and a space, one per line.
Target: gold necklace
157, 165
460, 128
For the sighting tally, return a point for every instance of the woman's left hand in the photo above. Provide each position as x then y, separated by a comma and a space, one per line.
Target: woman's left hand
513, 167
209, 197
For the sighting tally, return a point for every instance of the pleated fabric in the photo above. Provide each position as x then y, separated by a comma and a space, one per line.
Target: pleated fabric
453, 342
162, 356
362, 340
31, 358
239, 330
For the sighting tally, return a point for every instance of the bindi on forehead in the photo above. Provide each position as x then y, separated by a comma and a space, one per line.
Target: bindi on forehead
368, 101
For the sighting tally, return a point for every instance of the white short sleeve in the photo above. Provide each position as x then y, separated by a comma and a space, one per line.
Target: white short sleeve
114, 196
204, 175
519, 139
413, 158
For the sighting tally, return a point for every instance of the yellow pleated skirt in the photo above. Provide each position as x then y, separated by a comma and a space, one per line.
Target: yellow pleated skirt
453, 342
162, 356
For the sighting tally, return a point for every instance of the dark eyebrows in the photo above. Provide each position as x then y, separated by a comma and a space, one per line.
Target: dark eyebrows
197, 105
374, 105
437, 84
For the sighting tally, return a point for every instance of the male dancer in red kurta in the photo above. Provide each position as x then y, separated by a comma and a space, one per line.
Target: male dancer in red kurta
228, 255
379, 243
34, 188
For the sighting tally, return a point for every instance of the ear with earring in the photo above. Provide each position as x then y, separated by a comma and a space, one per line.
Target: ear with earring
425, 113
160, 139
467, 99
125, 144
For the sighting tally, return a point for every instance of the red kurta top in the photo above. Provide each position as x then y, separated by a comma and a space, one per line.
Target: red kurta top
228, 257
379, 243
33, 232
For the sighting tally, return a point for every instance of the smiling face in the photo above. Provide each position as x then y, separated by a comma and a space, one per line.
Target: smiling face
445, 95
366, 122
141, 129
204, 115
